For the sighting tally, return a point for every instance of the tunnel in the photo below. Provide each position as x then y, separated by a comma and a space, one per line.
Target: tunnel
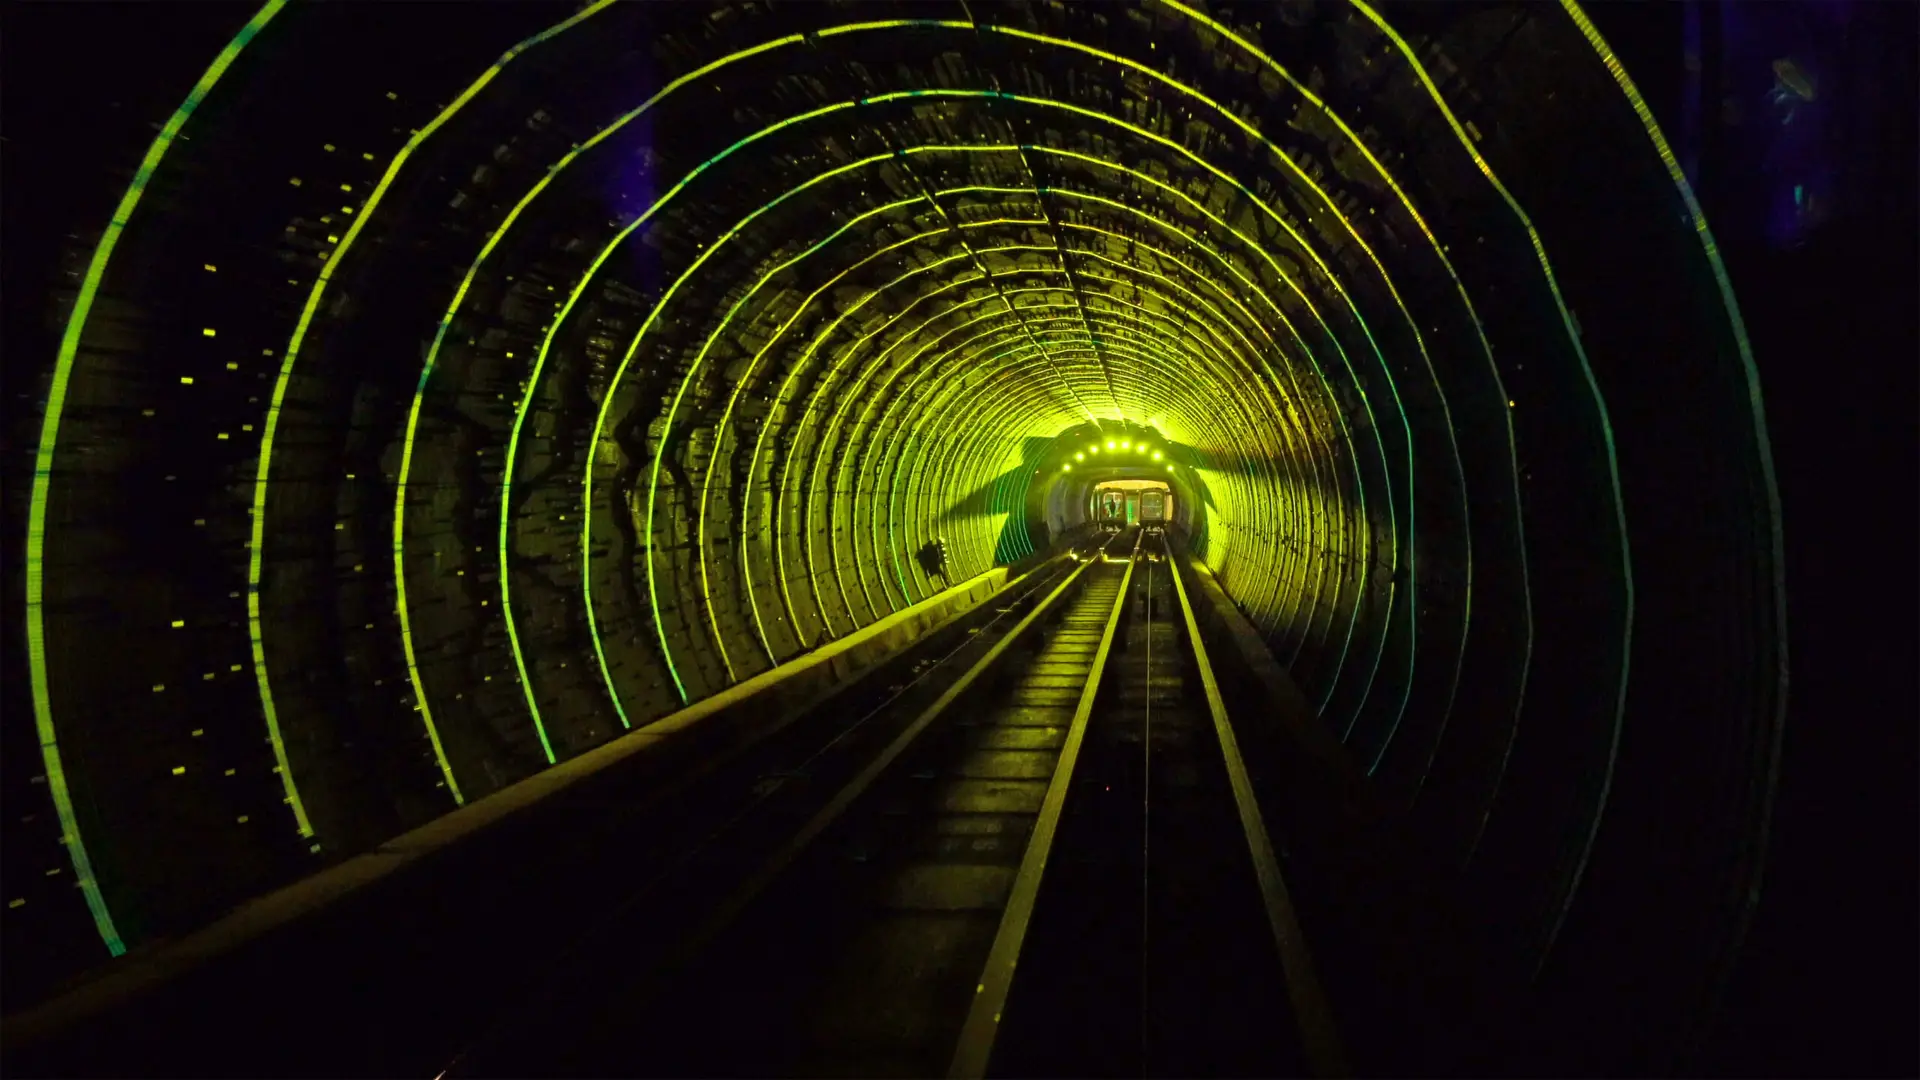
449, 394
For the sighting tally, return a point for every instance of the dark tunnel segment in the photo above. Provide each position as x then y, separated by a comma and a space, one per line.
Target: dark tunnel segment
410, 439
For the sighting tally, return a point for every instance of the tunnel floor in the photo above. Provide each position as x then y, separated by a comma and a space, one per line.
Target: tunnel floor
861, 957
835, 896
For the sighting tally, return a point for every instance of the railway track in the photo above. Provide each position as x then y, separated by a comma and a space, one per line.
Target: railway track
1041, 857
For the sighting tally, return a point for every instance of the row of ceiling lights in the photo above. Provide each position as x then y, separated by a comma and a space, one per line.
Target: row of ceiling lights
1116, 446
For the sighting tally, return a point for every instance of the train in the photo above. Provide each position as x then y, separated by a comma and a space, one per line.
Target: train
1132, 506
1153, 506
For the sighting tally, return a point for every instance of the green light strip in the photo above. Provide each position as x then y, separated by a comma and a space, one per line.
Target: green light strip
946, 24
1227, 295
1712, 251
954, 446
1143, 349
521, 407
1366, 401
977, 445
1033, 181
733, 401
968, 421
1056, 478
1093, 254
1026, 331
965, 449
776, 506
972, 427
844, 358
1082, 347
883, 393
830, 437
942, 365
1022, 191
847, 459
693, 369
847, 397
874, 100
1392, 384
1308, 181
653, 485
1606, 427
779, 498
606, 402
433, 353
1270, 577
525, 405
792, 39
1125, 266
869, 101
1260, 249
533, 380
1276, 406
886, 441
1147, 389
1769, 481
907, 167
1486, 349
261, 487
64, 363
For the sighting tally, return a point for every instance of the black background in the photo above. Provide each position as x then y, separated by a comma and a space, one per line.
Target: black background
1827, 983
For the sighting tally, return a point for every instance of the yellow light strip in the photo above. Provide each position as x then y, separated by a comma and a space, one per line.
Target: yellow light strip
977, 432
439, 338
653, 484
693, 369
829, 32
1125, 266
1518, 521
951, 148
901, 96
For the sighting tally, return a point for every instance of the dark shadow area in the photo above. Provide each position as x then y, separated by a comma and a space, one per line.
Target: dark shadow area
1826, 983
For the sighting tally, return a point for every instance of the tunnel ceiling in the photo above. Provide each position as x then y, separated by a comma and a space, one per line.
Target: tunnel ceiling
442, 402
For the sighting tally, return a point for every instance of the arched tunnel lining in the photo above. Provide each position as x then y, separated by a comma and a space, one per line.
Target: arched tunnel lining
1283, 432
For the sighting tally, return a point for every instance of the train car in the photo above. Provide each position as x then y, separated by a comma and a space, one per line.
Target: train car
1127, 503
1153, 506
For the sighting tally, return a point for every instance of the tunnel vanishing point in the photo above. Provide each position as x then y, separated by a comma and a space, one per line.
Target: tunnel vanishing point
449, 398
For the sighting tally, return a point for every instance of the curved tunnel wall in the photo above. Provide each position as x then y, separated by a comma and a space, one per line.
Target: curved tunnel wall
413, 436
